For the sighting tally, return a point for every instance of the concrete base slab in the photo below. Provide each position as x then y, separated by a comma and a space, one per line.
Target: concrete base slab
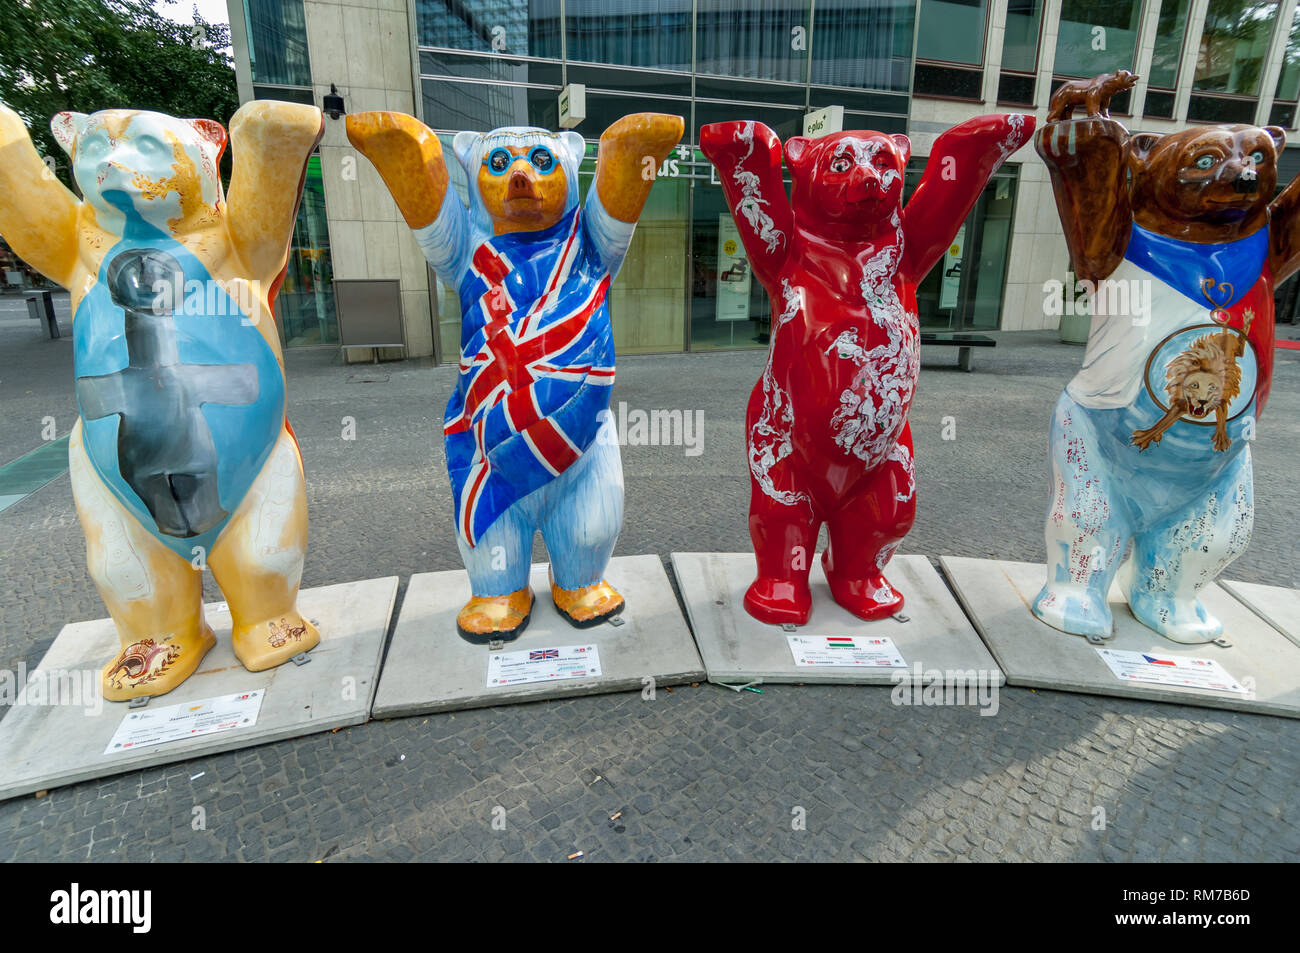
997, 596
51, 745
431, 668
738, 649
1279, 607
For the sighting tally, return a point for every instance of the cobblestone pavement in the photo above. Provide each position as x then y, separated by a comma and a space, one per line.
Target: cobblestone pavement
699, 773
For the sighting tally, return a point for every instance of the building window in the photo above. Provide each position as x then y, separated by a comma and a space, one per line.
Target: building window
952, 31
656, 36
1230, 61
1168, 51
1287, 93
1097, 36
522, 27
965, 290
865, 44
759, 39
304, 308
1233, 46
1020, 42
277, 42
454, 105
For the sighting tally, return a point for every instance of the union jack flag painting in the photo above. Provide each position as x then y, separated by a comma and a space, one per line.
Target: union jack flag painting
544, 654
537, 363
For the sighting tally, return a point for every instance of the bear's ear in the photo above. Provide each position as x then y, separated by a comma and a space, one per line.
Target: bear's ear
574, 145
67, 128
464, 145
1278, 135
797, 151
904, 146
212, 132
1140, 145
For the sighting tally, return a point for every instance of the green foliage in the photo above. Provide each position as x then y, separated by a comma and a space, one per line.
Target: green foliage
86, 55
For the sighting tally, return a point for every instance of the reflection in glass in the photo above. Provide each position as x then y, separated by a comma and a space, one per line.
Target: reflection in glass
1163, 73
1288, 81
277, 42
1020, 42
452, 105
952, 31
863, 43
522, 27
654, 35
1233, 46
1097, 36
754, 38
304, 309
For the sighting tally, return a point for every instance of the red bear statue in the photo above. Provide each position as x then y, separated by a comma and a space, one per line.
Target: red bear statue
828, 437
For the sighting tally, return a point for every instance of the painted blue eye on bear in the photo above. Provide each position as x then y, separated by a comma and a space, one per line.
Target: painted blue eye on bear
542, 158
498, 160
1205, 162
1257, 156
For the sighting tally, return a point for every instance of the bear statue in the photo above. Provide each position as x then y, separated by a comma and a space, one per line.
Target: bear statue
527, 433
1180, 242
181, 456
827, 431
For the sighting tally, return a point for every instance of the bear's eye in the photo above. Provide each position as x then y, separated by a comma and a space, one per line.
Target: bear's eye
541, 158
840, 164
1205, 162
1257, 156
498, 161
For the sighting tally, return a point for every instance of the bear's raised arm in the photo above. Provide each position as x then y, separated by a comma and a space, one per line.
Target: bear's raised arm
1284, 223
961, 163
631, 151
38, 216
747, 156
272, 142
1087, 160
409, 158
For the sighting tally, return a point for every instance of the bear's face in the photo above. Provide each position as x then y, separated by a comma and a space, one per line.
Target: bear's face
1203, 182
524, 179
161, 168
850, 177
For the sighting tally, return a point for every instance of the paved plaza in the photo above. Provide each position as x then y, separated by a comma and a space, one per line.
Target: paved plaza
698, 773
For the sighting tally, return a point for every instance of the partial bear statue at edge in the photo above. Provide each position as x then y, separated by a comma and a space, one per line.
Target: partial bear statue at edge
182, 457
1150, 440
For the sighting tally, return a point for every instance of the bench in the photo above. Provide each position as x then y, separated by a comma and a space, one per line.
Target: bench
963, 341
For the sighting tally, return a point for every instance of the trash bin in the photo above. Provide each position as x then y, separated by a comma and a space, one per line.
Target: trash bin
40, 305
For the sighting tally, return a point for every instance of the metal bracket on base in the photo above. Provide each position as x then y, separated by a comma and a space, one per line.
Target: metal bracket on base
496, 645
1099, 639
785, 627
901, 618
140, 702
1223, 642
616, 620
302, 658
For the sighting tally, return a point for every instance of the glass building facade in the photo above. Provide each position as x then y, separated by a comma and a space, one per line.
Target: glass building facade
914, 66
489, 63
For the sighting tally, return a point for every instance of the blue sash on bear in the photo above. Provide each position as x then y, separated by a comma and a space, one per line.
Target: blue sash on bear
181, 398
1214, 274
537, 362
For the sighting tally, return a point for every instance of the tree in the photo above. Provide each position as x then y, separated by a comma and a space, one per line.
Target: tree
86, 55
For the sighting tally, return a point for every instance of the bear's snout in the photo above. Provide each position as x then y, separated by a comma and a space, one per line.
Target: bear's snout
1246, 181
